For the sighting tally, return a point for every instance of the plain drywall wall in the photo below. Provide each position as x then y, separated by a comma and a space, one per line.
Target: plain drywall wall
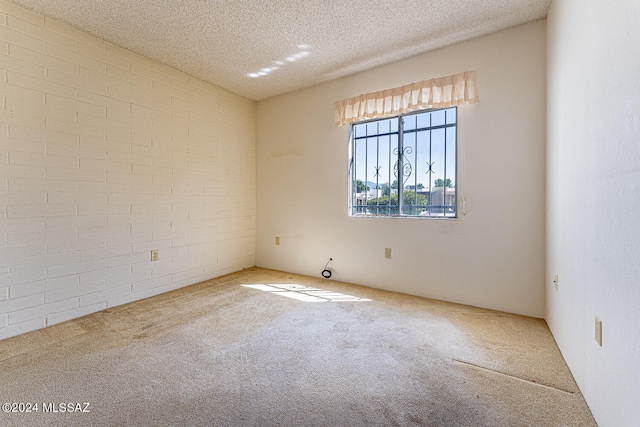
492, 257
105, 156
593, 187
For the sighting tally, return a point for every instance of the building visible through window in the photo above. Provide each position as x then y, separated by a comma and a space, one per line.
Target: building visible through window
405, 165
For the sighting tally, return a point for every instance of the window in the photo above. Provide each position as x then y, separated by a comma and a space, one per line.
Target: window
412, 155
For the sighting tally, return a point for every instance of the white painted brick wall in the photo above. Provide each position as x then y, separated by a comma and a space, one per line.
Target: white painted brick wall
104, 156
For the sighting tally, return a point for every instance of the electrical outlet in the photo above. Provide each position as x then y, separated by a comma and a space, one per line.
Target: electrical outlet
598, 334
555, 281
387, 253
277, 240
154, 255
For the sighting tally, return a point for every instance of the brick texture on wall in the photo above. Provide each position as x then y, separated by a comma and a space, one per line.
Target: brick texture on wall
105, 156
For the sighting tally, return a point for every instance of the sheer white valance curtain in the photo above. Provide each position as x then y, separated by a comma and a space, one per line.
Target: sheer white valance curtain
441, 92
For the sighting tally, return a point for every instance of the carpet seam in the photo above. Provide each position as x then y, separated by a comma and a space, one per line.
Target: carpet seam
513, 376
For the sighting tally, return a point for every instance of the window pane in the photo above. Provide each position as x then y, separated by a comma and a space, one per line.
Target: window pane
410, 122
437, 118
359, 174
438, 169
394, 125
410, 174
423, 171
451, 115
450, 199
384, 126
424, 120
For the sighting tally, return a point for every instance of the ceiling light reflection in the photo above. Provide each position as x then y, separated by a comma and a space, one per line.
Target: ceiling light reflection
304, 52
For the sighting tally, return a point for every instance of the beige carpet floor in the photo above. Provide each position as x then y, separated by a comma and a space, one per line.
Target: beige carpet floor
221, 354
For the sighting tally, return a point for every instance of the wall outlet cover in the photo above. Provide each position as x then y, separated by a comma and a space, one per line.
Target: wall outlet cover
598, 331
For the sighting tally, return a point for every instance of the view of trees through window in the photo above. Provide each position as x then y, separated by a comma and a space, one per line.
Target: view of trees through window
412, 155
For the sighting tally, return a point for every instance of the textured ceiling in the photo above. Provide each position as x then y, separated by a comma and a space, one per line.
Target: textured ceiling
260, 48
